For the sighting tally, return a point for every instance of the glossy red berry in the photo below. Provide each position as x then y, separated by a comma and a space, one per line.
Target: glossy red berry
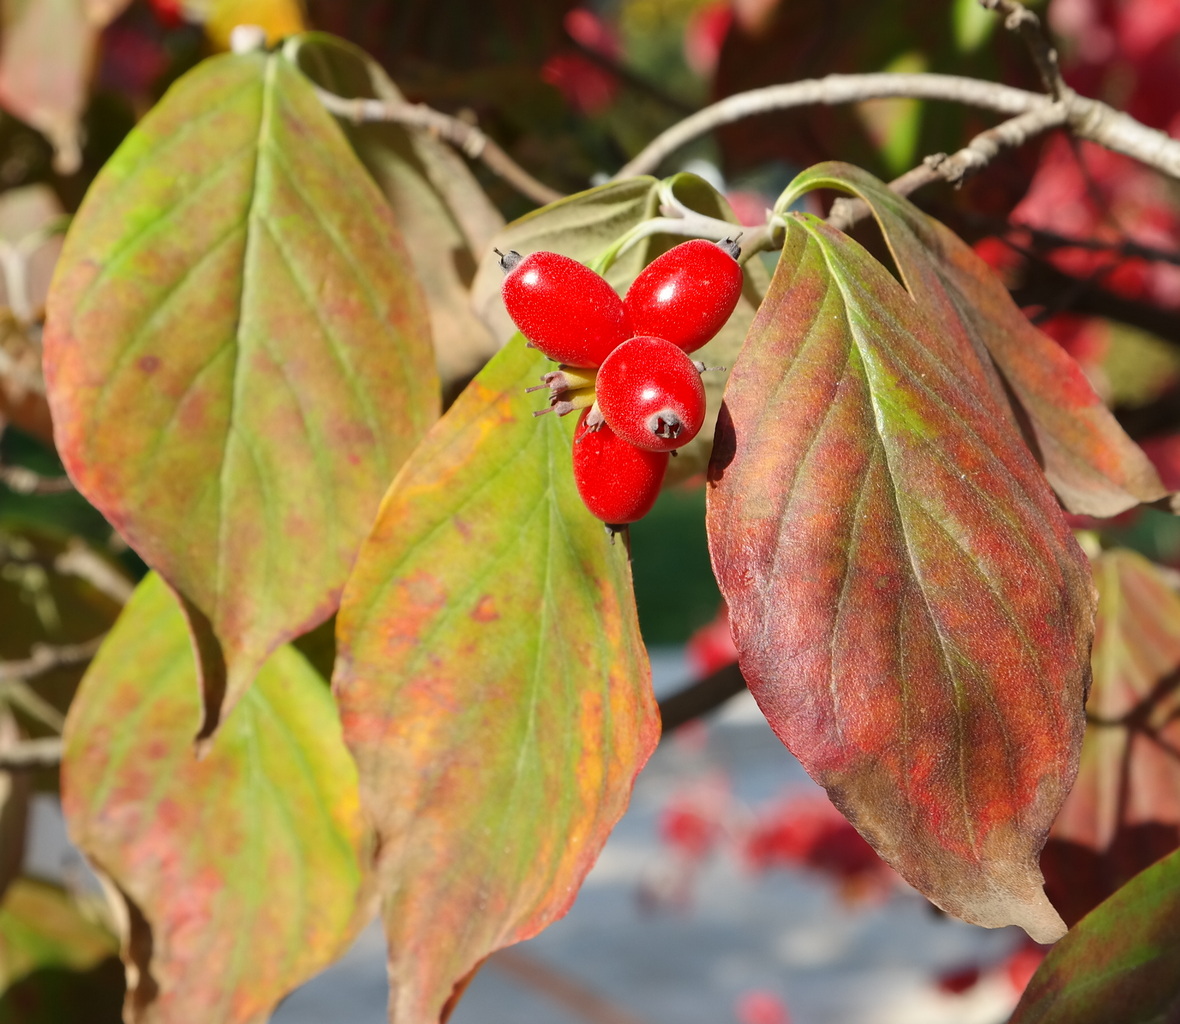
565, 309
618, 482
651, 395
687, 294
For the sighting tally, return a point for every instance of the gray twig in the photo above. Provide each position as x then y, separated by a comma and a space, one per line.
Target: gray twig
1019, 19
1086, 118
26, 481
82, 561
44, 657
31, 754
977, 154
467, 138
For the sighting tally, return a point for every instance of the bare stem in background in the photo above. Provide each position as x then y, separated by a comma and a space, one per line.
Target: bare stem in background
45, 657
701, 697
568, 993
82, 561
973, 157
25, 481
1086, 118
465, 137
1019, 19
31, 754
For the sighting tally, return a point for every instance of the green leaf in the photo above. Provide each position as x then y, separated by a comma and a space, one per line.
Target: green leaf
437, 201
237, 357
1123, 812
56, 963
493, 686
1090, 461
911, 610
241, 870
1121, 963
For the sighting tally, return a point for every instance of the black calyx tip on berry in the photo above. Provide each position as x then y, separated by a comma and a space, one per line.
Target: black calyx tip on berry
508, 259
730, 245
665, 423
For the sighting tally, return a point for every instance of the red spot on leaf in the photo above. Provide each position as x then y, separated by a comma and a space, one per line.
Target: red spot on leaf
149, 364
485, 610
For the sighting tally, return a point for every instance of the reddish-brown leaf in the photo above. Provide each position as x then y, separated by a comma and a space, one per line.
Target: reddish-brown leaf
237, 357
241, 870
493, 686
1124, 810
910, 609
1091, 463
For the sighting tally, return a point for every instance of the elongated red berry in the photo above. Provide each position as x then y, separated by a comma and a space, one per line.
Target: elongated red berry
687, 294
650, 393
617, 481
565, 309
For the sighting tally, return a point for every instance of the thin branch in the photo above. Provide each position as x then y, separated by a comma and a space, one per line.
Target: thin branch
81, 561
628, 77
45, 657
20, 695
568, 993
1043, 284
31, 754
465, 137
973, 157
832, 90
1098, 122
1086, 118
1041, 240
26, 481
1019, 19
701, 697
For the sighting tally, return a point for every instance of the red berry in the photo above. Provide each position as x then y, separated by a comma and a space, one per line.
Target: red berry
565, 309
650, 393
687, 294
617, 481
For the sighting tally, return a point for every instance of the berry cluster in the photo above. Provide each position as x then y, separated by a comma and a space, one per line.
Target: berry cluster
624, 362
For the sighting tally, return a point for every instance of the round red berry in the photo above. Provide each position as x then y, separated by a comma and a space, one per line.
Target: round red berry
650, 393
687, 294
618, 482
565, 309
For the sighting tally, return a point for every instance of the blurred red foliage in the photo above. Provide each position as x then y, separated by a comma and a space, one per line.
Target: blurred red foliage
808, 832
587, 86
759, 1006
